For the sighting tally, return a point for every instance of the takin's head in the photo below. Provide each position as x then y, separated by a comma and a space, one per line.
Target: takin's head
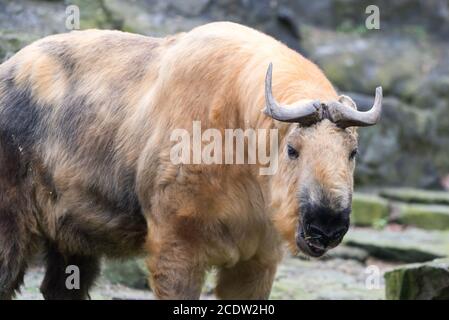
312, 190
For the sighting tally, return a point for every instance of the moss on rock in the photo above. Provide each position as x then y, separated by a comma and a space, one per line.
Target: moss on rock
368, 210
410, 245
331, 279
424, 281
416, 196
431, 217
131, 273
95, 14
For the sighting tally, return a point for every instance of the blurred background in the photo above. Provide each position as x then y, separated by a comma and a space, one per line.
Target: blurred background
401, 210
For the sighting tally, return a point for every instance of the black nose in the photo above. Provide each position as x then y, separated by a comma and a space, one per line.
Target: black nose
324, 238
324, 227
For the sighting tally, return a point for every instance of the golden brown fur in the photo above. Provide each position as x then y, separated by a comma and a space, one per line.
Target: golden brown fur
102, 105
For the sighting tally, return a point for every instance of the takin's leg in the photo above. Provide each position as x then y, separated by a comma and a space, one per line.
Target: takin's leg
13, 255
15, 222
57, 285
176, 270
250, 279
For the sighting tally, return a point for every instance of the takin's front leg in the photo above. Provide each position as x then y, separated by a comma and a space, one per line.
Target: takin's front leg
176, 270
54, 285
14, 253
251, 279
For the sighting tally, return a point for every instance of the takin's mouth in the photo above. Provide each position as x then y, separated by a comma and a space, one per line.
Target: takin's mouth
308, 247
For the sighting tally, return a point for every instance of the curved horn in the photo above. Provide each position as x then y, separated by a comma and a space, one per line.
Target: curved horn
344, 116
304, 113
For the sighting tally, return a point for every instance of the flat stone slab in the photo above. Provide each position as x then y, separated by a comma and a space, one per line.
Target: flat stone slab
368, 210
430, 217
419, 281
416, 195
409, 245
333, 279
347, 253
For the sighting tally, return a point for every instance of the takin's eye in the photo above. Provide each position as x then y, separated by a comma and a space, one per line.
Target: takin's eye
353, 154
292, 152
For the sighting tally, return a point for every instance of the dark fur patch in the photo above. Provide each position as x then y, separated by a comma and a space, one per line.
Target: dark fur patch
63, 52
11, 168
21, 119
74, 117
125, 203
138, 51
114, 235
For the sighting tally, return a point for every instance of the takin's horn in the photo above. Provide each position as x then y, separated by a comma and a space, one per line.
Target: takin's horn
344, 116
310, 112
305, 113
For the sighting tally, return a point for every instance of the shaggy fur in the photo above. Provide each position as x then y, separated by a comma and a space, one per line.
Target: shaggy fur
85, 122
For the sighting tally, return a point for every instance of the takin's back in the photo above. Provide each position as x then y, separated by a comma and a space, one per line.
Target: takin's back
98, 92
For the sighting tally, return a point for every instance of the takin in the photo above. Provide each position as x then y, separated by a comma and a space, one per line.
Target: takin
85, 169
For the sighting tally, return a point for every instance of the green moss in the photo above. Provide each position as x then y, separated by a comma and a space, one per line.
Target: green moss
416, 196
369, 210
418, 32
398, 285
348, 26
431, 217
94, 14
128, 28
393, 281
131, 273
282, 290
418, 281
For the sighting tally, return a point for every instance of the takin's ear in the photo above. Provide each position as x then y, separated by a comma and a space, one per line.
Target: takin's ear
347, 101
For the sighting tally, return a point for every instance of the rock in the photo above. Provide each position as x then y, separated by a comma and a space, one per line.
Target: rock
360, 62
347, 253
416, 195
32, 17
95, 14
407, 137
409, 245
160, 18
131, 273
189, 8
210, 282
431, 217
148, 19
322, 279
413, 15
368, 210
423, 281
